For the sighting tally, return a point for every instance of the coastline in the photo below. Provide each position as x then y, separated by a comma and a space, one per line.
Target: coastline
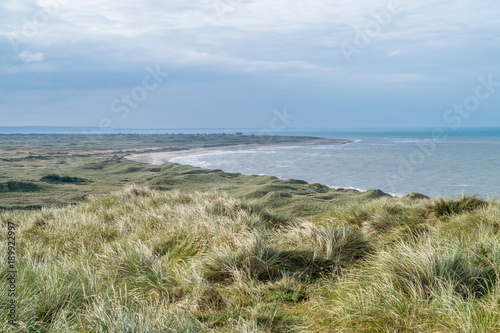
163, 158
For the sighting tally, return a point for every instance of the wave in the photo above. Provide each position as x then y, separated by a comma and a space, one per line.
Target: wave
466, 185
413, 140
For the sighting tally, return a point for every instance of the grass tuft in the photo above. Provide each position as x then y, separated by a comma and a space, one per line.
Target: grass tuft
448, 207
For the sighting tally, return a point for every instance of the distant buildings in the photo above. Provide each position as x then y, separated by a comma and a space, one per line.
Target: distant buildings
221, 134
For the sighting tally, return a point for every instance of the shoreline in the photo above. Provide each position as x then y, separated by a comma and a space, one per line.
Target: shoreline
163, 158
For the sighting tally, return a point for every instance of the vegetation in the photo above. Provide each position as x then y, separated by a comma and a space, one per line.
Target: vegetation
63, 179
447, 207
40, 170
194, 250
142, 260
13, 186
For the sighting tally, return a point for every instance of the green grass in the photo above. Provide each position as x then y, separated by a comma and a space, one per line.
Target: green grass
142, 260
109, 174
192, 250
40, 170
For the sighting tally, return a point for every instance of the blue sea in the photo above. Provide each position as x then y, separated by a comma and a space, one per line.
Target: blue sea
398, 161
429, 161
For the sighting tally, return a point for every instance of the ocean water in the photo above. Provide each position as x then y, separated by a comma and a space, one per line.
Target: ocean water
441, 163
397, 161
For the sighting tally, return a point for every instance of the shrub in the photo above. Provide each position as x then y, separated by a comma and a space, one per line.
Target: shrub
448, 207
63, 179
15, 186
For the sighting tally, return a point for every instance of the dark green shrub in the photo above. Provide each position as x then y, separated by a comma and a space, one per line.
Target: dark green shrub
53, 178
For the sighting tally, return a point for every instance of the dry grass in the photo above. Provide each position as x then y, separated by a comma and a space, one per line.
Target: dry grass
147, 261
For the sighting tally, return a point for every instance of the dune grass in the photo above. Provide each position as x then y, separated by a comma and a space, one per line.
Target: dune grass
447, 207
40, 170
142, 260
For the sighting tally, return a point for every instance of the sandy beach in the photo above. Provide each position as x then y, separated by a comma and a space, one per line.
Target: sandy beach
158, 158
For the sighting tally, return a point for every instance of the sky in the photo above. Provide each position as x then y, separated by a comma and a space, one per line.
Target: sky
250, 63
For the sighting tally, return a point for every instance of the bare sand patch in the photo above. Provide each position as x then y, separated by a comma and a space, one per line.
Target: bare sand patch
158, 158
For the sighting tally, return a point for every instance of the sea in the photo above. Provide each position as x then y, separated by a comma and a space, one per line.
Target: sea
433, 161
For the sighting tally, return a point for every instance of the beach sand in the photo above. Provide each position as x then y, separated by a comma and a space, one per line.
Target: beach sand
158, 158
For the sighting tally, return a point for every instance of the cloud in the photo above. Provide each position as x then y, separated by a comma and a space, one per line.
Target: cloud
395, 53
280, 44
31, 57
391, 78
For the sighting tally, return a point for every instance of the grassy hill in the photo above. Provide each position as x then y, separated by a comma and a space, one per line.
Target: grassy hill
143, 260
40, 170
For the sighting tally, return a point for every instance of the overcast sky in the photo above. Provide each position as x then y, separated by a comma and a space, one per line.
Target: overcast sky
230, 63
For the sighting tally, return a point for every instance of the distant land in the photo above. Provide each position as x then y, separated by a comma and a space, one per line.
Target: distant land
391, 131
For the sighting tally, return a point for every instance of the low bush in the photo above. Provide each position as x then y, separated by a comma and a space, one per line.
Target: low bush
63, 179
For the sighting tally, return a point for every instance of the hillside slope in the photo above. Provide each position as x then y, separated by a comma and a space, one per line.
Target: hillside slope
142, 260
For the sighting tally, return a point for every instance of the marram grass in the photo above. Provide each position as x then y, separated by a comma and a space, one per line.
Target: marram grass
147, 261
